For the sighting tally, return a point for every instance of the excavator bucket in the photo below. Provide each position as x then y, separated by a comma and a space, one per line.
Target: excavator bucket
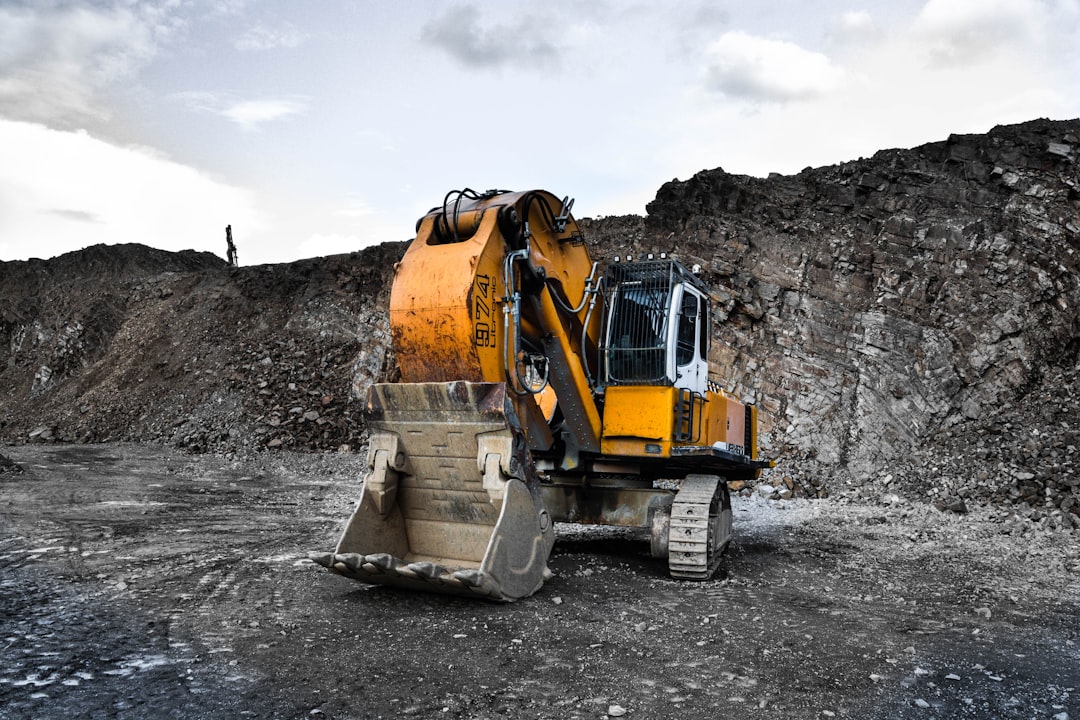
451, 503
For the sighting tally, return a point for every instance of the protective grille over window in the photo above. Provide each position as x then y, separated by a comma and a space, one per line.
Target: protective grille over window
637, 311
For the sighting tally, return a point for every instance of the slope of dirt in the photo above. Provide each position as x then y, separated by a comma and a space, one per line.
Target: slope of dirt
127, 342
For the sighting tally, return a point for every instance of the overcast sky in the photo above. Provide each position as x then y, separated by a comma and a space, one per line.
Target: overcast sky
321, 127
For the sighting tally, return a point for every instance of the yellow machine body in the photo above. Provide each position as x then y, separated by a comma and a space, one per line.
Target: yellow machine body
640, 421
514, 409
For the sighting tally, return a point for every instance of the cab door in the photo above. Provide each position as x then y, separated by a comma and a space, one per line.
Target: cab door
691, 340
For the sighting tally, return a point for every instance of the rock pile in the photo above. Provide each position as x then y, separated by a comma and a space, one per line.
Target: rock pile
208, 358
7, 465
907, 323
1025, 461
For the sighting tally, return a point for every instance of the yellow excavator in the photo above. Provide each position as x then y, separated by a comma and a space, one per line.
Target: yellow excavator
534, 390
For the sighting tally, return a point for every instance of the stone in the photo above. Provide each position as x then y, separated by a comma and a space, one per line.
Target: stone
1059, 149
41, 434
957, 506
971, 409
7, 465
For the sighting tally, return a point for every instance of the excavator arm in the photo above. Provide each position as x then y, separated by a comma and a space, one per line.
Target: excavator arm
492, 311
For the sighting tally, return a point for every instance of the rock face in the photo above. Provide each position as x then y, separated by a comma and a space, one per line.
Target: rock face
878, 307
908, 324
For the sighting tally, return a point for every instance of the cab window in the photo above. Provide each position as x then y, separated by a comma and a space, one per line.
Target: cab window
688, 329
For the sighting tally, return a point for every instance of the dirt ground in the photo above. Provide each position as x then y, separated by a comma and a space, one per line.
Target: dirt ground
139, 581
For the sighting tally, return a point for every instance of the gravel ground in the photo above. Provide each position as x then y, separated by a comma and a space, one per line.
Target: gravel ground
140, 581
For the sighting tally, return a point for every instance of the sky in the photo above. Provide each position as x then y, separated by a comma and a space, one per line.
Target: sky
322, 127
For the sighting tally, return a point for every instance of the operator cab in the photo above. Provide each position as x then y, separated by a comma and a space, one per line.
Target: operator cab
656, 326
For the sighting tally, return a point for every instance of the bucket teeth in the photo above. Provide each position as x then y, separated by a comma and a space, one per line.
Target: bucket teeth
478, 582
383, 562
423, 570
470, 578
469, 582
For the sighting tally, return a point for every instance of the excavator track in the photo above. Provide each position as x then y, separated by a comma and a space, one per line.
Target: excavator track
700, 527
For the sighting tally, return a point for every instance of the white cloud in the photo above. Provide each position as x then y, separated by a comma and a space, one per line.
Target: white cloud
898, 91
849, 30
797, 86
966, 31
262, 37
224, 8
744, 66
55, 59
62, 190
461, 32
856, 21
248, 114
